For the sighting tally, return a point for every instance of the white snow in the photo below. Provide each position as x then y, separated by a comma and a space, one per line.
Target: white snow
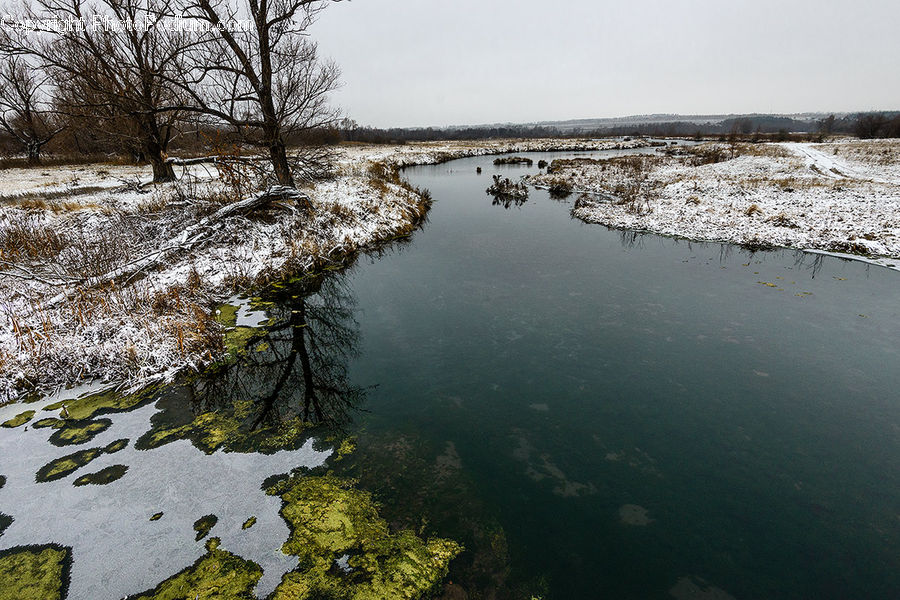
802, 196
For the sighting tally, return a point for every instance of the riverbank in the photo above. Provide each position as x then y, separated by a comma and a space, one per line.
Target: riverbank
65, 229
836, 197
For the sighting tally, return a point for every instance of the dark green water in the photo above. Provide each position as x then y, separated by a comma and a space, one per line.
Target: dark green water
577, 370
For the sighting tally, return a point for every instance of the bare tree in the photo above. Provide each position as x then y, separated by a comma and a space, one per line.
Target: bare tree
25, 106
113, 74
869, 125
265, 81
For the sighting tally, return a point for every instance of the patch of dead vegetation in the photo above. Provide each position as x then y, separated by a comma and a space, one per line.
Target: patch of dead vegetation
869, 152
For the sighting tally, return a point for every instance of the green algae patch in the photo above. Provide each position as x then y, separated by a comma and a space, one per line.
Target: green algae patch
49, 422
157, 516
116, 446
19, 420
423, 487
73, 433
249, 523
110, 401
66, 465
237, 338
329, 519
34, 573
227, 429
103, 476
346, 448
204, 524
217, 575
208, 431
226, 315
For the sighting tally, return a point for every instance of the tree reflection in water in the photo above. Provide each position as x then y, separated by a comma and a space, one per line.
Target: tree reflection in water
297, 369
508, 202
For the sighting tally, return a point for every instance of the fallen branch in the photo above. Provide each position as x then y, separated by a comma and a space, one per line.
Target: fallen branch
184, 162
27, 274
199, 160
189, 238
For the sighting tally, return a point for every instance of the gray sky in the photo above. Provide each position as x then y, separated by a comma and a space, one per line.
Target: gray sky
425, 62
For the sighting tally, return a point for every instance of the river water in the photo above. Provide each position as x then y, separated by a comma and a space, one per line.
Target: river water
635, 410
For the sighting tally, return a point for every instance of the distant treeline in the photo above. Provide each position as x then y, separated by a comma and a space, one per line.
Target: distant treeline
864, 125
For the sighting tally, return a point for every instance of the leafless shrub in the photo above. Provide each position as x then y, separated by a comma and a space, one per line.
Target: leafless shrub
507, 192
634, 189
559, 188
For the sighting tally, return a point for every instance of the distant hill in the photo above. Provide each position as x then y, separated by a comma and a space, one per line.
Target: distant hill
659, 119
872, 124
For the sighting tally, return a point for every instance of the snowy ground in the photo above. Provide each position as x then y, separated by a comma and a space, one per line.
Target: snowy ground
430, 153
839, 197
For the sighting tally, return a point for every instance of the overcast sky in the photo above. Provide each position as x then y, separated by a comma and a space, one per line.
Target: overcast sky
429, 62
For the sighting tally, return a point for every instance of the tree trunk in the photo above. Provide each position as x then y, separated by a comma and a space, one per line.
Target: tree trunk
34, 153
278, 155
155, 150
309, 385
162, 170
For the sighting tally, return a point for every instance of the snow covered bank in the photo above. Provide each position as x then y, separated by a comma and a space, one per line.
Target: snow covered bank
64, 229
432, 153
839, 197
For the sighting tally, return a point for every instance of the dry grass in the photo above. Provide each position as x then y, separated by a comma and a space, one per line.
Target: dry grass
782, 220
28, 237
765, 150
66, 159
381, 174
753, 209
559, 187
879, 152
197, 332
